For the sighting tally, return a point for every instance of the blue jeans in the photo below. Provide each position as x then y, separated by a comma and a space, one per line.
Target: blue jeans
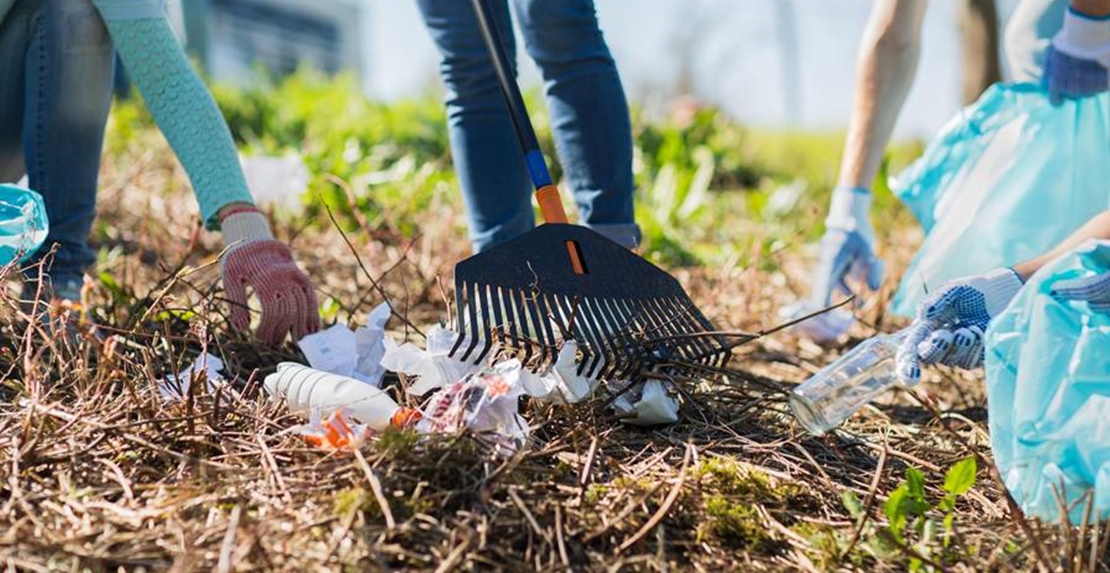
589, 117
56, 67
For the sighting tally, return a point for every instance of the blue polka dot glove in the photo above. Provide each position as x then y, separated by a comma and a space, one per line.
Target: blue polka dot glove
1093, 290
1077, 63
950, 323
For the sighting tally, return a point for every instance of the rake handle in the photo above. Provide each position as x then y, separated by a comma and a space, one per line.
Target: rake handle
547, 194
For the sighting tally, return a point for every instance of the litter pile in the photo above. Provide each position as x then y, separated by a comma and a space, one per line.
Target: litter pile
341, 391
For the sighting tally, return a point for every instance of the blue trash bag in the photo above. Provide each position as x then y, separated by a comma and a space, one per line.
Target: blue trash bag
23, 224
1048, 393
1009, 178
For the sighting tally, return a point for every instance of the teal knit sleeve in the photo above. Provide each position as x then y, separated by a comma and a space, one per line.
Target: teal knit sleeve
184, 111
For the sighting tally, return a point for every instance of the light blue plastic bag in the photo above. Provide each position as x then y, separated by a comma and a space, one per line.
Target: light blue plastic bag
23, 224
1009, 178
1048, 392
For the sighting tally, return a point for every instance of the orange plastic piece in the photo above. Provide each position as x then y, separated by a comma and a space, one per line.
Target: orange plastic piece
551, 207
405, 417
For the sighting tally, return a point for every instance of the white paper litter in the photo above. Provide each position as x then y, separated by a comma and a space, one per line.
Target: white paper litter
176, 386
433, 368
562, 384
486, 402
647, 405
355, 354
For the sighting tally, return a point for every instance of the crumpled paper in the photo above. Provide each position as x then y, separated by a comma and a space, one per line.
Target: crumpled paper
356, 354
176, 386
486, 402
561, 384
648, 404
432, 367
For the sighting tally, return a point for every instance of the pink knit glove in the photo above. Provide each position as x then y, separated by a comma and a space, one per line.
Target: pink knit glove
255, 260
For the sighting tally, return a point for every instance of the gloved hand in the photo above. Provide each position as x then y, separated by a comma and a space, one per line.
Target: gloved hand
848, 247
1077, 62
950, 323
255, 260
847, 251
1094, 290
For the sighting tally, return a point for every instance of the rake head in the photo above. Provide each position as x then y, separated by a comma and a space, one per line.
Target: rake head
562, 281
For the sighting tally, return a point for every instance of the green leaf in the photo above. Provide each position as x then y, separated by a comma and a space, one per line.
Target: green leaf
915, 481
852, 504
960, 477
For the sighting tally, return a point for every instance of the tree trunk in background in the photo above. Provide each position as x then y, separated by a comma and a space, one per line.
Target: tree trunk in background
979, 32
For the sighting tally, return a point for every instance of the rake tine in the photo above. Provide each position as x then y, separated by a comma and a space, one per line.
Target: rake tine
546, 316
521, 304
629, 340
471, 307
698, 346
532, 307
507, 298
570, 313
600, 331
594, 338
486, 299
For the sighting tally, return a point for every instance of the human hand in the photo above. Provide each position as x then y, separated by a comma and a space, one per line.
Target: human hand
1077, 62
950, 323
1093, 290
848, 247
255, 260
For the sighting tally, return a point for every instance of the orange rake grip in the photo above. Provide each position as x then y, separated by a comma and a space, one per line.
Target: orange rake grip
551, 207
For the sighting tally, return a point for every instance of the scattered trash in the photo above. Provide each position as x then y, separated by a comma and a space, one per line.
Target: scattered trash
486, 402
333, 432
432, 368
649, 404
310, 391
356, 354
851, 382
561, 384
1001, 167
278, 181
23, 223
176, 386
1049, 411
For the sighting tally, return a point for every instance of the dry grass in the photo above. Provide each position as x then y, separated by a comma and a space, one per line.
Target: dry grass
98, 473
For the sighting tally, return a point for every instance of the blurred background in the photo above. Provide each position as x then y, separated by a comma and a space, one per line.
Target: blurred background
767, 63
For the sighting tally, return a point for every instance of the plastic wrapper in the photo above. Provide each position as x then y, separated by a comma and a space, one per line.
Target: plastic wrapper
1048, 388
649, 404
356, 354
432, 367
334, 432
23, 224
1009, 178
561, 384
486, 402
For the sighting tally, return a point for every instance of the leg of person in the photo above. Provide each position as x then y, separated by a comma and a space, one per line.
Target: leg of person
1029, 34
67, 94
488, 159
14, 37
589, 111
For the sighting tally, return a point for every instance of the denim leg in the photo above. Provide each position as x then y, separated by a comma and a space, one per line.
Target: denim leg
14, 36
487, 156
67, 94
589, 111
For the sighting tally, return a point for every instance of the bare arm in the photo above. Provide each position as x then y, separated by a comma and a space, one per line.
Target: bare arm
887, 63
1096, 228
1092, 7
